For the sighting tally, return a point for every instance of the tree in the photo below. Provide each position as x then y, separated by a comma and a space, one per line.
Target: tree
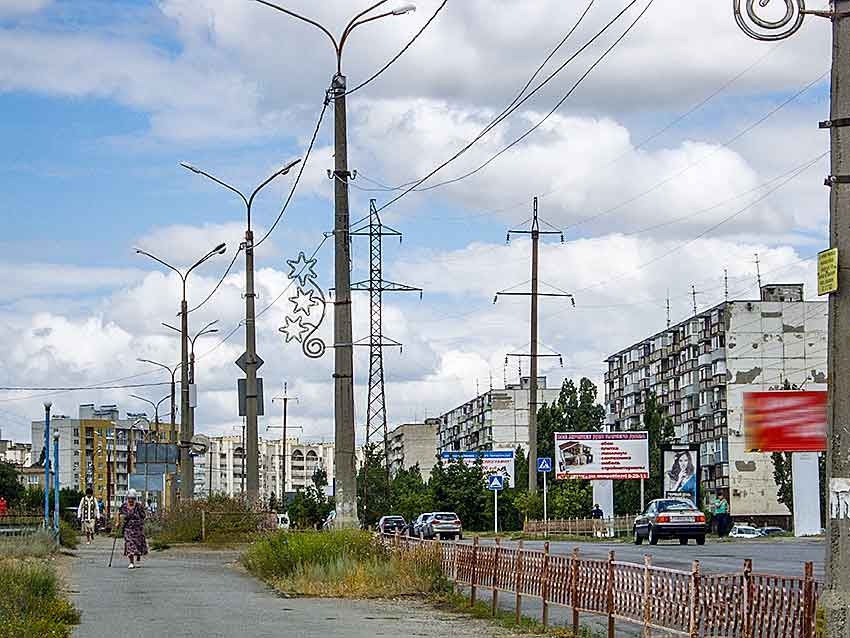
10, 485
459, 487
272, 502
373, 498
409, 494
310, 507
576, 410
660, 430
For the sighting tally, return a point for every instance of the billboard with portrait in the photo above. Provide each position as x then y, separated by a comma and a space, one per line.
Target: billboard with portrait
680, 471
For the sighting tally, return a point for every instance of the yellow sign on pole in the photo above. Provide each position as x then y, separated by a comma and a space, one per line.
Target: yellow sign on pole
827, 271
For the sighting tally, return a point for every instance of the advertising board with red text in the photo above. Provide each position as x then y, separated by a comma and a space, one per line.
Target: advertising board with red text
601, 455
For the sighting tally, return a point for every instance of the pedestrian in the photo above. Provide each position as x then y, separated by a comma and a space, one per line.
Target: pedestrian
721, 514
3, 506
87, 513
597, 515
133, 513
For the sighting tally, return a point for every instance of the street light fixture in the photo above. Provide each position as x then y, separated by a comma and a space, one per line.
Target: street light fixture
172, 371
344, 434
187, 478
252, 480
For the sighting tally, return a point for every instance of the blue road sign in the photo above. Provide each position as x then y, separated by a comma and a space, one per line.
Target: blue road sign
495, 482
544, 464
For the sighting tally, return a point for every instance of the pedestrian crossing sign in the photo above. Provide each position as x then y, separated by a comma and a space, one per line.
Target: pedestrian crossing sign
495, 482
544, 464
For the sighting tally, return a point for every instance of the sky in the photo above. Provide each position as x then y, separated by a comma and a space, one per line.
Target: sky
678, 156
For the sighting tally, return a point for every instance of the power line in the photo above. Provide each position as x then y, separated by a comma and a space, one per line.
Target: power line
75, 388
325, 103
220, 281
400, 53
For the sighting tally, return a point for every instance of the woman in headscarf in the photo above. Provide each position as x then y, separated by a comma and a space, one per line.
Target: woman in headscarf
135, 545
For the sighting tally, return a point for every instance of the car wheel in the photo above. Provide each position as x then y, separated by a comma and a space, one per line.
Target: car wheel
653, 536
700, 540
638, 537
460, 536
683, 540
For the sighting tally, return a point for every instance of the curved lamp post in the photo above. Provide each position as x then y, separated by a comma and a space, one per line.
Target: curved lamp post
172, 370
187, 478
344, 434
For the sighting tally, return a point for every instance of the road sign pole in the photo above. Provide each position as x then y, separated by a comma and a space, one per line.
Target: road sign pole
495, 511
545, 505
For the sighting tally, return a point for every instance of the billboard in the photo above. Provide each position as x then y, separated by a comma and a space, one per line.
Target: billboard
680, 471
601, 455
785, 421
494, 462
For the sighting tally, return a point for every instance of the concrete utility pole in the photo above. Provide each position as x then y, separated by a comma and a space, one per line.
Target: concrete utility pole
249, 362
835, 600
47, 406
344, 432
187, 467
534, 355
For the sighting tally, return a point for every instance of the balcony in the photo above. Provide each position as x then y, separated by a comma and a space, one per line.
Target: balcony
718, 354
704, 359
705, 410
689, 390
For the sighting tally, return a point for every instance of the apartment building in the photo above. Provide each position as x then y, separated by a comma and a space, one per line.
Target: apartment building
495, 420
411, 444
19, 454
700, 369
96, 449
296, 463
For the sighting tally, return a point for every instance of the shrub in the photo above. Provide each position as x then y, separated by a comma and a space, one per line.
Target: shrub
68, 536
38, 545
31, 605
228, 519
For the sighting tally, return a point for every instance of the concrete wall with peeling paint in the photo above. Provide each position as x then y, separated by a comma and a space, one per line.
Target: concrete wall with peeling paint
767, 343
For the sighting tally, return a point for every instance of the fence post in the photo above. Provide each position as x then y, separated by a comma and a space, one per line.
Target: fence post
574, 589
647, 599
496, 574
610, 594
518, 582
474, 593
694, 610
544, 586
203, 526
455, 577
809, 612
746, 624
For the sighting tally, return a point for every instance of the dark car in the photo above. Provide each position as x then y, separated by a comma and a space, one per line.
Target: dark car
771, 531
442, 525
670, 518
392, 525
417, 526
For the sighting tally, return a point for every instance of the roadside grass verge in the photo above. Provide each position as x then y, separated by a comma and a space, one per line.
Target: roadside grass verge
31, 605
459, 603
225, 520
342, 564
37, 545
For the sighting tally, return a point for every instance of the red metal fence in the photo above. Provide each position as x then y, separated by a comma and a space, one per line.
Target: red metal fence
744, 604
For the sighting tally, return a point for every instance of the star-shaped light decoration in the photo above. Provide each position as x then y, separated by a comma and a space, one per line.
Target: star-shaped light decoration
303, 301
294, 330
301, 269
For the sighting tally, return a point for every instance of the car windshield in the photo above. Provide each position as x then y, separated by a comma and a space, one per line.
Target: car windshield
445, 516
674, 505
393, 519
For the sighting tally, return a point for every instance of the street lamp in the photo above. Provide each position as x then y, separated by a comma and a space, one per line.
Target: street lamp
155, 406
250, 363
172, 371
187, 478
344, 434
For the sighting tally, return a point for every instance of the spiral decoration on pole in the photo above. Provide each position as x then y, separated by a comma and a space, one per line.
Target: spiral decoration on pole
756, 26
308, 308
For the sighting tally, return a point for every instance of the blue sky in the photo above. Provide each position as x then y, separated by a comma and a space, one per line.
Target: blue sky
101, 100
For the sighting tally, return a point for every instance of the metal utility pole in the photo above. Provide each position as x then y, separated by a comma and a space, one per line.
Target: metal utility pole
249, 362
344, 432
173, 372
376, 285
535, 294
187, 469
835, 600
285, 399
47, 406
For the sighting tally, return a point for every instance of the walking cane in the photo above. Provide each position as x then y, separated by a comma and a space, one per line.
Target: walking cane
114, 542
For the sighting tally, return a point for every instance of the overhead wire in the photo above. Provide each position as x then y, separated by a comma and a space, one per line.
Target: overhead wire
220, 281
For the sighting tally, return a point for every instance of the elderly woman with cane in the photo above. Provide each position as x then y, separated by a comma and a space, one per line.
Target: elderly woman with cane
133, 514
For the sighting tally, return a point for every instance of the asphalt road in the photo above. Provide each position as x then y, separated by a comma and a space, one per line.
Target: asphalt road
781, 556
199, 594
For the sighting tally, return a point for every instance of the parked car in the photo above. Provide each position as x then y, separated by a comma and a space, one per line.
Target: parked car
417, 526
442, 525
670, 518
771, 531
392, 525
744, 531
283, 521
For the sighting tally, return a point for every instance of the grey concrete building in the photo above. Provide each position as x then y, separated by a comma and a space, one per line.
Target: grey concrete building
413, 444
701, 368
495, 420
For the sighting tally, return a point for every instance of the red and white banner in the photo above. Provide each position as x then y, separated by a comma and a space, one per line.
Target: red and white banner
785, 421
601, 455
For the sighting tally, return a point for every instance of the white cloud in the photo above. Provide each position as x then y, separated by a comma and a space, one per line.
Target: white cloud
41, 279
22, 7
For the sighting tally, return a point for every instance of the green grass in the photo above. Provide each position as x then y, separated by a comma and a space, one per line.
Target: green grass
342, 564
68, 535
38, 545
31, 605
459, 603
226, 520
